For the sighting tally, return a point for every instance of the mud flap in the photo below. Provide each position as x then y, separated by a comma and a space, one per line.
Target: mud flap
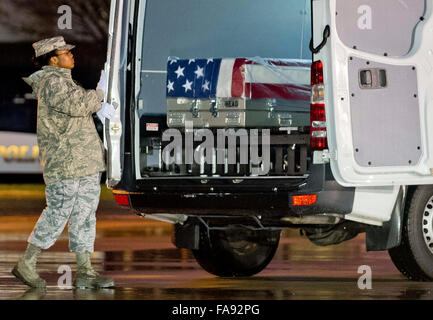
389, 235
186, 236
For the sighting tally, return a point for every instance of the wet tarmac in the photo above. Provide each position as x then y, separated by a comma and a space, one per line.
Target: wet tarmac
139, 255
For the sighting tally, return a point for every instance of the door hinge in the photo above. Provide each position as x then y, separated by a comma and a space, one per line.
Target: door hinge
323, 156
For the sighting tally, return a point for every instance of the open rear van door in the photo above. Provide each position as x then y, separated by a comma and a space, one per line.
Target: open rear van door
115, 70
373, 86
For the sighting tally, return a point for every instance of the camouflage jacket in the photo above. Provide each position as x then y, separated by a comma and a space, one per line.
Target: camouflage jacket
69, 145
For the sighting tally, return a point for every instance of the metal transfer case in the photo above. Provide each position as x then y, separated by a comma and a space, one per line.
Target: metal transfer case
239, 92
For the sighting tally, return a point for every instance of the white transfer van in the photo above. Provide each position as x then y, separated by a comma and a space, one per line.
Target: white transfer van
353, 157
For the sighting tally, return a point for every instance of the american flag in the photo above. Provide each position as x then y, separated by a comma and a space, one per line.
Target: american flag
237, 78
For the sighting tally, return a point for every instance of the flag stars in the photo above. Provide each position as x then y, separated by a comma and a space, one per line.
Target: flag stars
179, 72
170, 86
199, 72
191, 77
172, 61
205, 86
187, 85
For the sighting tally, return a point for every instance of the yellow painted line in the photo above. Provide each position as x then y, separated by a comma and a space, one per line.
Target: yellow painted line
13, 223
19, 194
17, 219
31, 186
37, 191
143, 276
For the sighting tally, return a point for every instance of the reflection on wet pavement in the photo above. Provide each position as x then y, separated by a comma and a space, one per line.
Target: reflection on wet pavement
299, 271
139, 255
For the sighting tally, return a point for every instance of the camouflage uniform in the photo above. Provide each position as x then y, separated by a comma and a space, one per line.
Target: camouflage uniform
72, 157
75, 200
69, 144
71, 154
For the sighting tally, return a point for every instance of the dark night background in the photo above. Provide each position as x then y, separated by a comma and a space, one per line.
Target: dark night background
23, 22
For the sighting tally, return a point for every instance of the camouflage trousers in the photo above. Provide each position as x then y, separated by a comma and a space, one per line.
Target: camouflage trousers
73, 200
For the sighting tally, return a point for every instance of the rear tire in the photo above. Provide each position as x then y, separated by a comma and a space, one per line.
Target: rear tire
414, 256
236, 252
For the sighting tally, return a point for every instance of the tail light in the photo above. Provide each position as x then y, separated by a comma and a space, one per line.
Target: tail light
304, 200
121, 199
318, 134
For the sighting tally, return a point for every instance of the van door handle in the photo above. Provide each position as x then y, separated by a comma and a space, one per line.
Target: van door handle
374, 78
326, 34
365, 78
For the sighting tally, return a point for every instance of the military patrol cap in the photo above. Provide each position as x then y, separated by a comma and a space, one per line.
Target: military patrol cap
47, 45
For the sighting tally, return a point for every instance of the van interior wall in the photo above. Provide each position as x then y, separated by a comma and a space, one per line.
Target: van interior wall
278, 29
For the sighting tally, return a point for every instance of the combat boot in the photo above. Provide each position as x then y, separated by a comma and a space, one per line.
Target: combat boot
86, 276
25, 270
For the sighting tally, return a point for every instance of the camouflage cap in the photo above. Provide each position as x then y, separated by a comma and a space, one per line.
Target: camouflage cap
47, 45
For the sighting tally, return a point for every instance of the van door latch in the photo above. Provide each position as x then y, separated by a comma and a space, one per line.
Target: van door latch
374, 78
194, 108
213, 108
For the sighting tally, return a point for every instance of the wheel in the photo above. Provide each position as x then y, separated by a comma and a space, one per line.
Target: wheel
414, 256
236, 252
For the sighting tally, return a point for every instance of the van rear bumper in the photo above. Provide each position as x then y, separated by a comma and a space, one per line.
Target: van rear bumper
332, 198
261, 196
270, 198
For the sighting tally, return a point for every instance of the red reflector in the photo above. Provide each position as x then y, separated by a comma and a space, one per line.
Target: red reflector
304, 200
121, 199
318, 144
317, 73
317, 112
